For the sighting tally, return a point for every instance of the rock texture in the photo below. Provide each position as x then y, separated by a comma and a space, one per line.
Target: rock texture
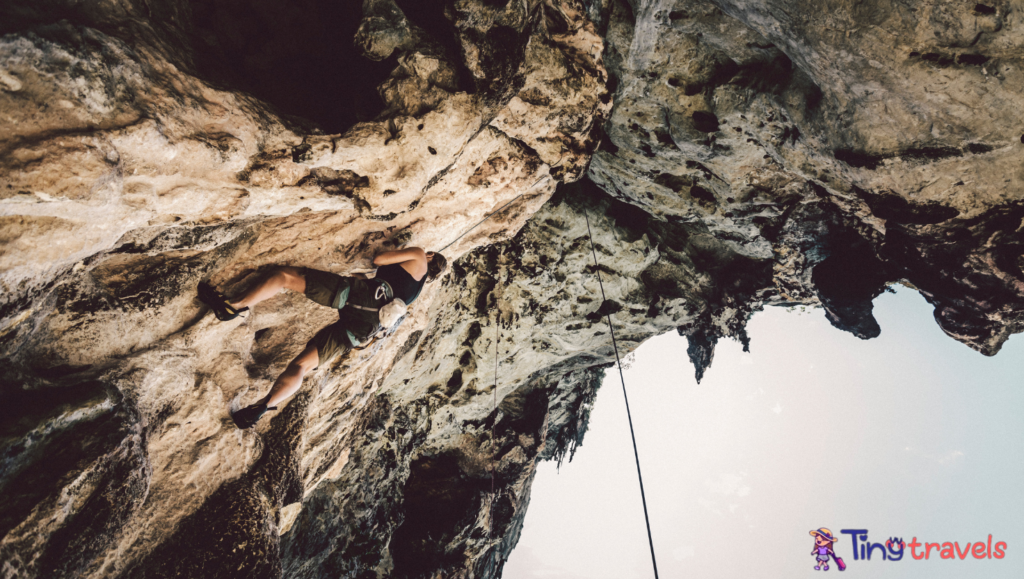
849, 145
727, 155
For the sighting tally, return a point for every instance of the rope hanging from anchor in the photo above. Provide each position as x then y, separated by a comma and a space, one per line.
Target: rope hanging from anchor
494, 412
636, 455
618, 361
494, 402
488, 216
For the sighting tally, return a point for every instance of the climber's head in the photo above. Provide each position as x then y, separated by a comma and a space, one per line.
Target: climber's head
436, 264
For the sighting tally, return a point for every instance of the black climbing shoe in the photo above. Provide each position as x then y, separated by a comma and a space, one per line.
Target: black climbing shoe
220, 306
248, 417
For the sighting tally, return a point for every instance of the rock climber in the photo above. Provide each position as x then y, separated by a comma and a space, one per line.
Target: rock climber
400, 275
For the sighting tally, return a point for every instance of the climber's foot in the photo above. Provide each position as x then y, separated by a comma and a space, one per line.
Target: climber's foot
220, 306
248, 417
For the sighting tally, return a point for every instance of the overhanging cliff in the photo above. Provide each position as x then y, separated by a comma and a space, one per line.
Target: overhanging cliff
729, 155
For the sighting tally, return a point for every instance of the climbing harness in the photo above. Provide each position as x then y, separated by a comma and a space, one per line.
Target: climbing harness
488, 216
391, 311
636, 455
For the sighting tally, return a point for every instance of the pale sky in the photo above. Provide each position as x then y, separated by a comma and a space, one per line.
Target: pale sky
909, 434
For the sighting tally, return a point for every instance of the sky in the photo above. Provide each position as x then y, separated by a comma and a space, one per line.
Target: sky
911, 434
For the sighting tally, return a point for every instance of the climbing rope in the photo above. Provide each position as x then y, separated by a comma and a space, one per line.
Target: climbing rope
494, 402
488, 216
618, 361
497, 344
494, 420
643, 497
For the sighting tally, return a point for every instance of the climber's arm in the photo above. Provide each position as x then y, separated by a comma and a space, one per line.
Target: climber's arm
401, 255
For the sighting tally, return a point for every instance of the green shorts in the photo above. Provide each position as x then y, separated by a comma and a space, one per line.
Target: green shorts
354, 326
326, 288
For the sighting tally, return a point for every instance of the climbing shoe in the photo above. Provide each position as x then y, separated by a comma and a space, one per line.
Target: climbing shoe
248, 417
220, 306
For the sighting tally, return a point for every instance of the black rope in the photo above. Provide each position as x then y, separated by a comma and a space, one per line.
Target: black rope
488, 216
494, 420
643, 497
497, 346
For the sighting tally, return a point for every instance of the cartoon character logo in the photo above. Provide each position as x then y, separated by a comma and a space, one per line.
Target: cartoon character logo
823, 541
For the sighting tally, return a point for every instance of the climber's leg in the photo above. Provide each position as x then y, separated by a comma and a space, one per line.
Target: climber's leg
292, 278
329, 342
287, 384
291, 379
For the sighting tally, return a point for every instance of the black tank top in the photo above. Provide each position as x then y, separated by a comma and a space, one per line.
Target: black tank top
406, 288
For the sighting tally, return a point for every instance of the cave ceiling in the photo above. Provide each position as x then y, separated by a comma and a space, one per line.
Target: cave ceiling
727, 155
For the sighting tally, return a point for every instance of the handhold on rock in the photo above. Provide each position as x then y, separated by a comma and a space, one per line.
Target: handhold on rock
608, 307
332, 182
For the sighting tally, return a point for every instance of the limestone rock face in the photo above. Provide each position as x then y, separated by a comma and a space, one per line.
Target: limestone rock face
847, 144
751, 153
138, 160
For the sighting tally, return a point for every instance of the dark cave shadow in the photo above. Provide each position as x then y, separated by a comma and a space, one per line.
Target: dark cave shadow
299, 56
